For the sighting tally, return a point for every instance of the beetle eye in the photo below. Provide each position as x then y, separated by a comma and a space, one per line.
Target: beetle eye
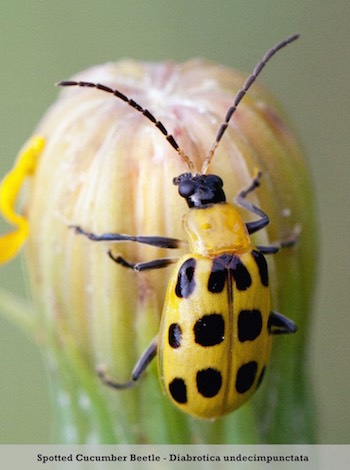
186, 188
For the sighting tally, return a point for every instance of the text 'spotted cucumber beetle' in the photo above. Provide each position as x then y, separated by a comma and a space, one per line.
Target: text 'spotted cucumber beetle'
113, 185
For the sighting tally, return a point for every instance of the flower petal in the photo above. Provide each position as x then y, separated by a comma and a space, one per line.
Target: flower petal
10, 243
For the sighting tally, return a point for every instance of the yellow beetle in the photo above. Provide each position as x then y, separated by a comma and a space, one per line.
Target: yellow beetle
214, 340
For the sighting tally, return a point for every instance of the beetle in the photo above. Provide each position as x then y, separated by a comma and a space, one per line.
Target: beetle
216, 328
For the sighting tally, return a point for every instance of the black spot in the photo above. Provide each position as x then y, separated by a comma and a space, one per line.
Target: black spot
224, 264
209, 382
261, 376
174, 335
240, 273
262, 266
246, 376
249, 325
209, 330
178, 390
218, 275
185, 280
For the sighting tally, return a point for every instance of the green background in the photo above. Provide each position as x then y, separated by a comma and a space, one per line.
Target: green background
42, 42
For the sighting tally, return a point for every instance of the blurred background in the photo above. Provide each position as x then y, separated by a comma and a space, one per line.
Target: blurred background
44, 42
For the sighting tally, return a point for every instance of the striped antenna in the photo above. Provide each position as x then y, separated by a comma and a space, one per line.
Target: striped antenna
159, 125
241, 93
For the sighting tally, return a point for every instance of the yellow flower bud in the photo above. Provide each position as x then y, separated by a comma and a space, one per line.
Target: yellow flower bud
106, 168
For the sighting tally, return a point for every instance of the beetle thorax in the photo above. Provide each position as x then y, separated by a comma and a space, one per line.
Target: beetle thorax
216, 229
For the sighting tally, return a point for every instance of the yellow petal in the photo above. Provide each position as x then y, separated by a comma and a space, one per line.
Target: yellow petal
25, 165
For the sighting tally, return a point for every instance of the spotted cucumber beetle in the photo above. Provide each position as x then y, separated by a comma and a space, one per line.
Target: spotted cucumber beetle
214, 340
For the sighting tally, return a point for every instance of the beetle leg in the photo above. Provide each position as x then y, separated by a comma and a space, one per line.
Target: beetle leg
137, 372
147, 265
279, 324
287, 243
160, 242
241, 200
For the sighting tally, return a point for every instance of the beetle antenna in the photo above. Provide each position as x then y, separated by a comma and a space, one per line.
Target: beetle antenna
159, 125
241, 93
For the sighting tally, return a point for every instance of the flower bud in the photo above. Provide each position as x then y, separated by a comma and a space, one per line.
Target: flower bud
107, 169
